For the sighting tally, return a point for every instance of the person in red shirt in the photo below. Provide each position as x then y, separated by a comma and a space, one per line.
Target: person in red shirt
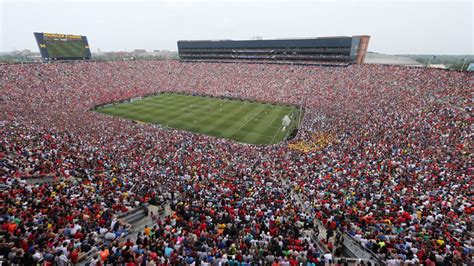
104, 253
130, 262
79, 235
292, 261
74, 255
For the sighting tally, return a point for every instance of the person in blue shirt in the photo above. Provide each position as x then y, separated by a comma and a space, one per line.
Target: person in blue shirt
168, 251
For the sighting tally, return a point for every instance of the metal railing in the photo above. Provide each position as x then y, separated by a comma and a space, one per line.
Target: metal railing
359, 250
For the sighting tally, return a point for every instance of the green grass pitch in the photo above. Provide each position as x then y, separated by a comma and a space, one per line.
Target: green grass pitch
242, 121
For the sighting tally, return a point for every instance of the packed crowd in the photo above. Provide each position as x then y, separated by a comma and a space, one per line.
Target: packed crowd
396, 173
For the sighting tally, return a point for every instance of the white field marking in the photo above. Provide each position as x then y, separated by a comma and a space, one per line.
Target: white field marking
271, 122
246, 122
180, 116
278, 131
124, 111
241, 106
255, 133
151, 105
251, 113
128, 106
154, 103
141, 104
200, 107
147, 114
190, 106
138, 109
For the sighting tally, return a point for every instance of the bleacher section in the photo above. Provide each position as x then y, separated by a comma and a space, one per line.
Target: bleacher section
327, 50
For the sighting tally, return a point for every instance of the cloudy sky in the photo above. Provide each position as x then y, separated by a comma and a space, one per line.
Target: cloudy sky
396, 26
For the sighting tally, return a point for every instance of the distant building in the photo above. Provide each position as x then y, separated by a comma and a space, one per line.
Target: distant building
139, 51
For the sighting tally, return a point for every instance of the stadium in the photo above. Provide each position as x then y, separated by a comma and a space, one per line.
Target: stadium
251, 152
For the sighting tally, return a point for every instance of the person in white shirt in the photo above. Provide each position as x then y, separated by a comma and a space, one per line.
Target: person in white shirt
37, 256
61, 259
328, 258
95, 261
393, 262
284, 262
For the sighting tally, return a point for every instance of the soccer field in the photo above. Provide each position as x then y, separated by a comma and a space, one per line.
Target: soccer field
243, 121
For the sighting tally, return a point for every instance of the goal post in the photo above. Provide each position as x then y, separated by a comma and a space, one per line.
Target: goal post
286, 121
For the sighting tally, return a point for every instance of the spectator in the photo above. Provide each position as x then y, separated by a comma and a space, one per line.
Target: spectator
383, 154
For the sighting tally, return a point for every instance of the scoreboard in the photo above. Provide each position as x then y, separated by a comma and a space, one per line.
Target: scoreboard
54, 46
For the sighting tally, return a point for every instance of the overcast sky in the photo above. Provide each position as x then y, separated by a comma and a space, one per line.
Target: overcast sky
395, 27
